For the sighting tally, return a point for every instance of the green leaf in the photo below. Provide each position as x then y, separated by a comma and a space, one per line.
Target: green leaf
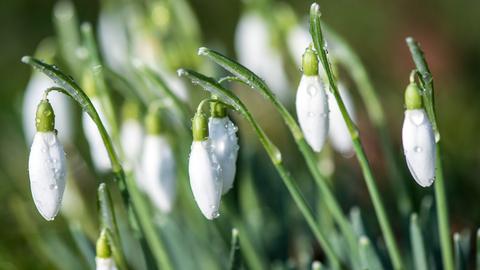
235, 256
368, 257
418, 248
83, 244
356, 220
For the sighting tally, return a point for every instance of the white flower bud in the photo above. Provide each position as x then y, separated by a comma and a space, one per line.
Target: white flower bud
61, 104
47, 169
312, 111
105, 264
131, 136
205, 180
254, 49
158, 172
98, 151
419, 146
225, 148
338, 130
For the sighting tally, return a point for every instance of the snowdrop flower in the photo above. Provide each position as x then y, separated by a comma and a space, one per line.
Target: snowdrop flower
46, 165
311, 103
61, 104
158, 165
338, 130
418, 138
254, 49
98, 151
104, 259
203, 169
131, 133
224, 144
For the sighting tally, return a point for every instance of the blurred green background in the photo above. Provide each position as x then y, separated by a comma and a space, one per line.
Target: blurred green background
447, 30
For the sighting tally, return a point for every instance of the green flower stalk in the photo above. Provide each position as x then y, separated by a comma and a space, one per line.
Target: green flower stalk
130, 194
319, 42
275, 155
427, 88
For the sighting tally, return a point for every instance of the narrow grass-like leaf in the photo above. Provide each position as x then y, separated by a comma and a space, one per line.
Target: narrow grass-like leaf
368, 257
83, 244
418, 248
356, 220
462, 247
477, 255
235, 256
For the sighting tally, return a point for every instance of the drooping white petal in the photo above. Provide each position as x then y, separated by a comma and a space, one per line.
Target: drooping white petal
47, 169
225, 148
98, 151
338, 131
204, 179
298, 40
158, 172
61, 105
312, 111
105, 264
131, 136
255, 51
419, 146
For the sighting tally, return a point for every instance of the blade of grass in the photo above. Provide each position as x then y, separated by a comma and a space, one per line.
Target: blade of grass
368, 257
235, 256
418, 248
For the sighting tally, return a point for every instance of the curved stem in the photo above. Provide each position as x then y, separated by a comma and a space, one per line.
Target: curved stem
319, 42
275, 156
440, 197
127, 187
252, 80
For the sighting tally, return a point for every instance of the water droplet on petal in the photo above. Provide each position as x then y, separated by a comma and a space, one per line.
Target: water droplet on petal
417, 149
312, 90
53, 186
